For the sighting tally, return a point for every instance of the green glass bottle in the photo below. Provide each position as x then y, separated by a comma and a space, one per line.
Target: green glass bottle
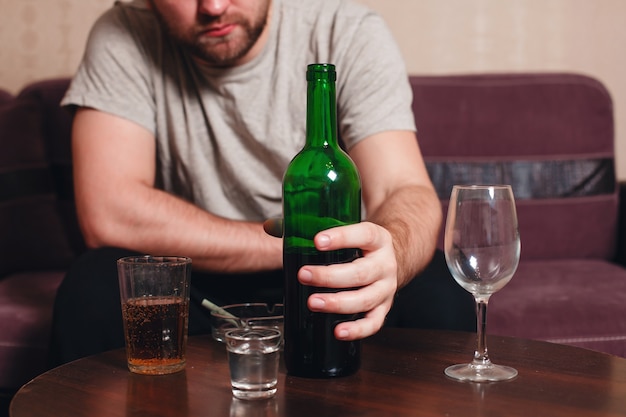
321, 189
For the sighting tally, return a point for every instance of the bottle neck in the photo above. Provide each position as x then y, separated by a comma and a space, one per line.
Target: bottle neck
321, 120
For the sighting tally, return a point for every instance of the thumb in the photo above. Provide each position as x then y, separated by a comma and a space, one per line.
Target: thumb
274, 226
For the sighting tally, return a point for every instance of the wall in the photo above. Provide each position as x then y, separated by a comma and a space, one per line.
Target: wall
45, 38
460, 36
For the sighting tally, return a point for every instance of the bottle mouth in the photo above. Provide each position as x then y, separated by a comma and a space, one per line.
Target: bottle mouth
322, 71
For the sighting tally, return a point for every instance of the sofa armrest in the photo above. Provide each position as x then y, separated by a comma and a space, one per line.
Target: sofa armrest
620, 253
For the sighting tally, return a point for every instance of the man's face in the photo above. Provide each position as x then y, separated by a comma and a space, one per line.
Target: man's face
220, 32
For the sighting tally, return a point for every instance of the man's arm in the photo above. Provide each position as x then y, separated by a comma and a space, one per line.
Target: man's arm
400, 197
114, 174
398, 239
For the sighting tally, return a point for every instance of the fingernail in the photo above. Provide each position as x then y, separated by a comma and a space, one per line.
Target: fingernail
342, 334
317, 303
323, 241
305, 276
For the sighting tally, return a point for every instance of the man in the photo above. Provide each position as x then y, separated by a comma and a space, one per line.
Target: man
188, 112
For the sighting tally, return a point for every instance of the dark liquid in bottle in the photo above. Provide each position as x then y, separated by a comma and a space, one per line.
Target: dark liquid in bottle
311, 349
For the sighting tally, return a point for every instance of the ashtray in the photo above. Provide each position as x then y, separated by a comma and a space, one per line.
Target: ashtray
250, 315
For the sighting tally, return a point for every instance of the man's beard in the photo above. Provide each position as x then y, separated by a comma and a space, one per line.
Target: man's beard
225, 51
218, 51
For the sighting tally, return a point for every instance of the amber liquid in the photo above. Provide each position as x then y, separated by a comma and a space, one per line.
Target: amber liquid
156, 334
311, 349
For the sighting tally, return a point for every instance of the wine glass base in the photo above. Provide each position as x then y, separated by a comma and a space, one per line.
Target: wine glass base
480, 373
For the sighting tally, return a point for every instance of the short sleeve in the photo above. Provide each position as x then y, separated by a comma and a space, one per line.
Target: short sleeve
115, 73
374, 94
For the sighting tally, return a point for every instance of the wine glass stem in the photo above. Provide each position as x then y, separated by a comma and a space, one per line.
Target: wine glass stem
481, 357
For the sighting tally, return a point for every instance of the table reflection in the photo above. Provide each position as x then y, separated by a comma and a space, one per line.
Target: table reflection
147, 394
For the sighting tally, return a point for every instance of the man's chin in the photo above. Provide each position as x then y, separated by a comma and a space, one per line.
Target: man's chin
215, 59
219, 54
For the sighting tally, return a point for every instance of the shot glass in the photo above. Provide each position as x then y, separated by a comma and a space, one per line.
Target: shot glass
154, 292
253, 361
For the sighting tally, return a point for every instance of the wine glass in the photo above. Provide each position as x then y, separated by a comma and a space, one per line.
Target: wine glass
482, 248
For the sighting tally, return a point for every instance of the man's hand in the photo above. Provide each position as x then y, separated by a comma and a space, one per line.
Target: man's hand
375, 276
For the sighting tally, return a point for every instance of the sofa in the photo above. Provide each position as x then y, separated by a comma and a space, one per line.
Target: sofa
549, 135
39, 234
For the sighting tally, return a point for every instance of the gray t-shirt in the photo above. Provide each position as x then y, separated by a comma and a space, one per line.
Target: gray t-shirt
225, 136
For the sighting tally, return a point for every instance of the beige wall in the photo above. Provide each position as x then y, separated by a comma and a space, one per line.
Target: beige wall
460, 36
45, 38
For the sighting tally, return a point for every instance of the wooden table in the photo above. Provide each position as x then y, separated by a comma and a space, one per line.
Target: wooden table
401, 375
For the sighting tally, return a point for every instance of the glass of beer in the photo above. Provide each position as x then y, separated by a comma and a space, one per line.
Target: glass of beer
154, 292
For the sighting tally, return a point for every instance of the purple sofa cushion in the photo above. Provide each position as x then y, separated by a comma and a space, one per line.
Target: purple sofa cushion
26, 301
22, 139
5, 96
582, 300
520, 116
57, 125
562, 228
57, 121
39, 233
548, 135
35, 219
